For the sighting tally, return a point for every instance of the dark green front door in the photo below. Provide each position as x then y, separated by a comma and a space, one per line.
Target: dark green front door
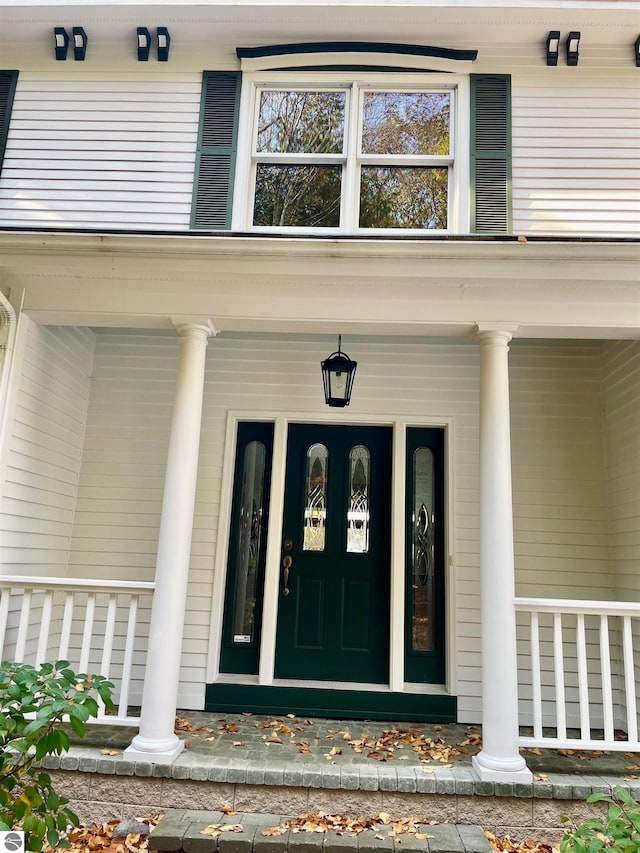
333, 607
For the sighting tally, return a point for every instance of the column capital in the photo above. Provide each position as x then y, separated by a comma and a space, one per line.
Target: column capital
196, 327
496, 333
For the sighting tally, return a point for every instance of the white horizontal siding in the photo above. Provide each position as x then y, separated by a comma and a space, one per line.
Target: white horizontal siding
117, 149
561, 535
621, 404
101, 150
559, 496
45, 450
576, 161
42, 467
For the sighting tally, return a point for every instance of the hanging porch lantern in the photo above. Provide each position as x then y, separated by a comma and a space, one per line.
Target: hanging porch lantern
337, 375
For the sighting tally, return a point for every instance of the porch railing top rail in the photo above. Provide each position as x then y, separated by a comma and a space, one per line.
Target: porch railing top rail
563, 605
92, 584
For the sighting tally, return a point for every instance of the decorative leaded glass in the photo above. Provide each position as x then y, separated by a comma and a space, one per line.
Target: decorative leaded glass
249, 534
358, 510
423, 556
315, 510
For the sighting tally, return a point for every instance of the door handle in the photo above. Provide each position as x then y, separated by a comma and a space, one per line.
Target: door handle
286, 565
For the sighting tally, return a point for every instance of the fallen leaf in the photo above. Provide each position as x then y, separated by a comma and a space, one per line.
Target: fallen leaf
109, 752
226, 809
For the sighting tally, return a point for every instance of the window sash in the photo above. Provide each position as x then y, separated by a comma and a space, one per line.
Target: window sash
351, 158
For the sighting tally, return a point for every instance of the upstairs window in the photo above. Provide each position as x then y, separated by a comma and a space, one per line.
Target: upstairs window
353, 157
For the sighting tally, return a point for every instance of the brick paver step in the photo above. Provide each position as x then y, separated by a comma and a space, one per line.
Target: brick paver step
182, 830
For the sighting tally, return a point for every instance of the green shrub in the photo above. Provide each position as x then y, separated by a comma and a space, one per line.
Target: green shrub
51, 693
618, 830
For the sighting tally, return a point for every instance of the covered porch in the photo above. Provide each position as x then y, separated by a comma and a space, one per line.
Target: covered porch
535, 392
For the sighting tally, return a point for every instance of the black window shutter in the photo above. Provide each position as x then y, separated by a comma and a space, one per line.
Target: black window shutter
491, 154
8, 80
217, 142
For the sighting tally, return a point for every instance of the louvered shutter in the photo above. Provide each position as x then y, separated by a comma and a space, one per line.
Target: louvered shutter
8, 81
491, 154
215, 163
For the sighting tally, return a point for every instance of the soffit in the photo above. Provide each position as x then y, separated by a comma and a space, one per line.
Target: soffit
551, 289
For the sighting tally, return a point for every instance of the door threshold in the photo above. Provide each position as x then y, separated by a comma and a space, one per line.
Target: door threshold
338, 701
408, 687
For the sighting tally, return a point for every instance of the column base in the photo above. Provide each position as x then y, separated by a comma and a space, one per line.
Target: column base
154, 751
492, 769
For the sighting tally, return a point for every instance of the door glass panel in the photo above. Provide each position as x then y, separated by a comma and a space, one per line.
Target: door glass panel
249, 534
358, 509
423, 577
315, 510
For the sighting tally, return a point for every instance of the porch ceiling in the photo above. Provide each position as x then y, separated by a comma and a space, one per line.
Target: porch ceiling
548, 289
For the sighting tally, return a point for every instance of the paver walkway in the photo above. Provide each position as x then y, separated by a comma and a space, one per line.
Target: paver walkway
183, 830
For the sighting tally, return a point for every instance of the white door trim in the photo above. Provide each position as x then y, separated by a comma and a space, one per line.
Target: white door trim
281, 423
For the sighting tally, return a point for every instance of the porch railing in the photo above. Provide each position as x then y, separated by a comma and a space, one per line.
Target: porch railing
579, 673
98, 626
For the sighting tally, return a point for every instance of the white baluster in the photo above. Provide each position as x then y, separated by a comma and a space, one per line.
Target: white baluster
629, 681
23, 626
558, 665
536, 690
65, 633
87, 633
5, 597
128, 657
583, 678
45, 624
605, 669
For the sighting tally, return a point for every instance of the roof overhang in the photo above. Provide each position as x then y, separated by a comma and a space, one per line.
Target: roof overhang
548, 288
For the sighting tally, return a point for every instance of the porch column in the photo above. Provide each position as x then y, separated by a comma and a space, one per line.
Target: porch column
156, 740
499, 759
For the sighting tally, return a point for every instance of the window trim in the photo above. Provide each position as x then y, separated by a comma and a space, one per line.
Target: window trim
458, 220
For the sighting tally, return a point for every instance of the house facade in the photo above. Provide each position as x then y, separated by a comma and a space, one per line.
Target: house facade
195, 202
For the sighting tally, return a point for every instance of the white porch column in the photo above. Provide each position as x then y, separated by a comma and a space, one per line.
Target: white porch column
156, 740
499, 759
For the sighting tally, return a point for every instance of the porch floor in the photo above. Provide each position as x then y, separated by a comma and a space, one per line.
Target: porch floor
288, 765
236, 742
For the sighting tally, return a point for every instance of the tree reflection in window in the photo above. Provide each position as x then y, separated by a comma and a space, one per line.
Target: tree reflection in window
315, 510
423, 556
249, 534
358, 511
